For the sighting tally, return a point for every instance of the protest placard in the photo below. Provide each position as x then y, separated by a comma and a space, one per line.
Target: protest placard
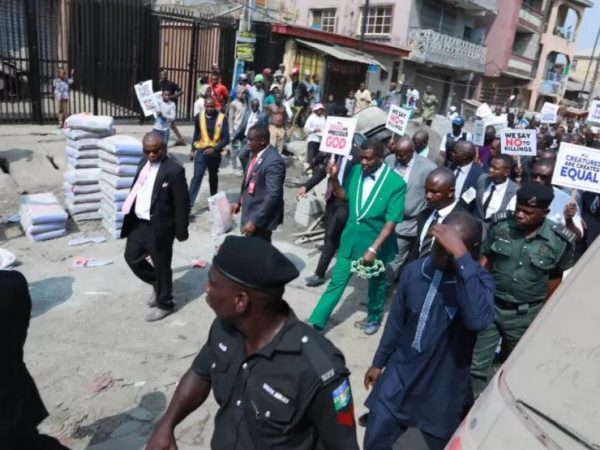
397, 120
479, 132
338, 134
484, 111
146, 97
518, 142
498, 122
577, 167
549, 113
594, 113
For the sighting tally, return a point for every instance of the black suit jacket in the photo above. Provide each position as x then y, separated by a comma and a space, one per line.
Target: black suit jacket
264, 207
320, 171
421, 220
470, 182
170, 204
21, 408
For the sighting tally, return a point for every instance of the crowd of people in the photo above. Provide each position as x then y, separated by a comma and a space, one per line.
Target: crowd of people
465, 243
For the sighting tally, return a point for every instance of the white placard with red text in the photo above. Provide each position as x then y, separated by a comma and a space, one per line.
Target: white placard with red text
338, 134
146, 97
518, 142
397, 120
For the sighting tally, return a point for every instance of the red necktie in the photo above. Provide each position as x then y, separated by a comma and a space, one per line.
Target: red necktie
250, 168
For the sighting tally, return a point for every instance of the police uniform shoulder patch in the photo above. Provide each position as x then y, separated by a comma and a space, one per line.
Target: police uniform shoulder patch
564, 233
321, 363
501, 216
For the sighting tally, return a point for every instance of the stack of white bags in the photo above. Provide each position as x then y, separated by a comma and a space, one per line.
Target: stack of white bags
119, 158
83, 133
42, 217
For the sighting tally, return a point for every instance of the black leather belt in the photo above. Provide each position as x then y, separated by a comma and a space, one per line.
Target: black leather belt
521, 307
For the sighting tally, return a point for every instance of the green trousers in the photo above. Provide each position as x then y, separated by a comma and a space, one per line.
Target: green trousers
339, 280
509, 325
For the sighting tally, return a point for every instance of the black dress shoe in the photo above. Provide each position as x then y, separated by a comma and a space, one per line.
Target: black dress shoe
314, 281
159, 314
362, 420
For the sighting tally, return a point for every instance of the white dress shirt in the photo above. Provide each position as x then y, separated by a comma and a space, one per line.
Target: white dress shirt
425, 152
252, 119
461, 177
496, 200
404, 171
143, 199
369, 183
444, 212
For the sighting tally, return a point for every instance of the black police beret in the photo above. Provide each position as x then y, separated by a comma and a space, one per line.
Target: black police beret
536, 195
254, 263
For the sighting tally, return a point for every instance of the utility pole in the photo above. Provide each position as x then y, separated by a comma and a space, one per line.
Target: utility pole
363, 27
595, 78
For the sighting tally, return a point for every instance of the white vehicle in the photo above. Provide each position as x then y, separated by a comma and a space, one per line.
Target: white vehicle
547, 393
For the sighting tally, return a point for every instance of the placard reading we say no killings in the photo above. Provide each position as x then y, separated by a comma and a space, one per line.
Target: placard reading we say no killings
338, 134
518, 142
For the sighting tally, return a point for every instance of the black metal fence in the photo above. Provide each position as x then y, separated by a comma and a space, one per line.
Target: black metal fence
111, 45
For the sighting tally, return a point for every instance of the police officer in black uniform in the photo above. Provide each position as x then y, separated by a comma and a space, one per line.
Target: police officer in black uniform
279, 384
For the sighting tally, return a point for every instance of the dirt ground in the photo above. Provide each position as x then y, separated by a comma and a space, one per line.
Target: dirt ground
104, 373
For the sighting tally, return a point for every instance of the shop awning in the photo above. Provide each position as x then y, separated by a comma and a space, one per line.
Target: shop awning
342, 53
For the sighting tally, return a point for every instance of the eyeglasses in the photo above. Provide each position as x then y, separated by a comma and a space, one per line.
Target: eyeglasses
154, 151
539, 176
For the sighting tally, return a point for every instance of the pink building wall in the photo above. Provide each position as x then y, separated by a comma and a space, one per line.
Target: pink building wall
348, 13
500, 37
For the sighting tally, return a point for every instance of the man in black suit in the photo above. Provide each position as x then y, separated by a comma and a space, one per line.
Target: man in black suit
439, 193
156, 212
496, 192
467, 172
261, 196
336, 210
21, 407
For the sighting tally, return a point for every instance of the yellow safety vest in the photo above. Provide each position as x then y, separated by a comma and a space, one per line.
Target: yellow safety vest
205, 140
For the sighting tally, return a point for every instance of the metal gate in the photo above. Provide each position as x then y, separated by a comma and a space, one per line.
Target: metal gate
188, 48
111, 45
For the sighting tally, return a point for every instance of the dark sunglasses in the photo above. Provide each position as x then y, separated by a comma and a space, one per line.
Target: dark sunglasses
535, 175
154, 151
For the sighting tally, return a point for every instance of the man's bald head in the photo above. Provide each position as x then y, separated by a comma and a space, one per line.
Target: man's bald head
404, 150
439, 188
420, 140
468, 228
464, 153
153, 138
154, 145
442, 176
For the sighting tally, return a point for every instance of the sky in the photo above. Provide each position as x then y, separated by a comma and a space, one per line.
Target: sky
589, 27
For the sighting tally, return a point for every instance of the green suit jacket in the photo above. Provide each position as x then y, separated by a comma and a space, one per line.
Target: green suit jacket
366, 219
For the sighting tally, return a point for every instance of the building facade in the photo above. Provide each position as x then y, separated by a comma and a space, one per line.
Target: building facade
584, 69
531, 45
446, 38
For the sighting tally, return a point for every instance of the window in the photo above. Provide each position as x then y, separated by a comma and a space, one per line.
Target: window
323, 19
439, 18
379, 21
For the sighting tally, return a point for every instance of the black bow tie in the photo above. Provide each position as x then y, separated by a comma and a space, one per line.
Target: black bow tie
369, 175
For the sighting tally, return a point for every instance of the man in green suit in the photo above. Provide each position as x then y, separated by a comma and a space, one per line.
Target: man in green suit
375, 196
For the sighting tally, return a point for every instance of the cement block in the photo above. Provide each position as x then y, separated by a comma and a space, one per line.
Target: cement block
307, 210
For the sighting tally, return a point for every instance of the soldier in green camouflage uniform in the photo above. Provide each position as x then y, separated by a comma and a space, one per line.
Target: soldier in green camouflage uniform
526, 253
